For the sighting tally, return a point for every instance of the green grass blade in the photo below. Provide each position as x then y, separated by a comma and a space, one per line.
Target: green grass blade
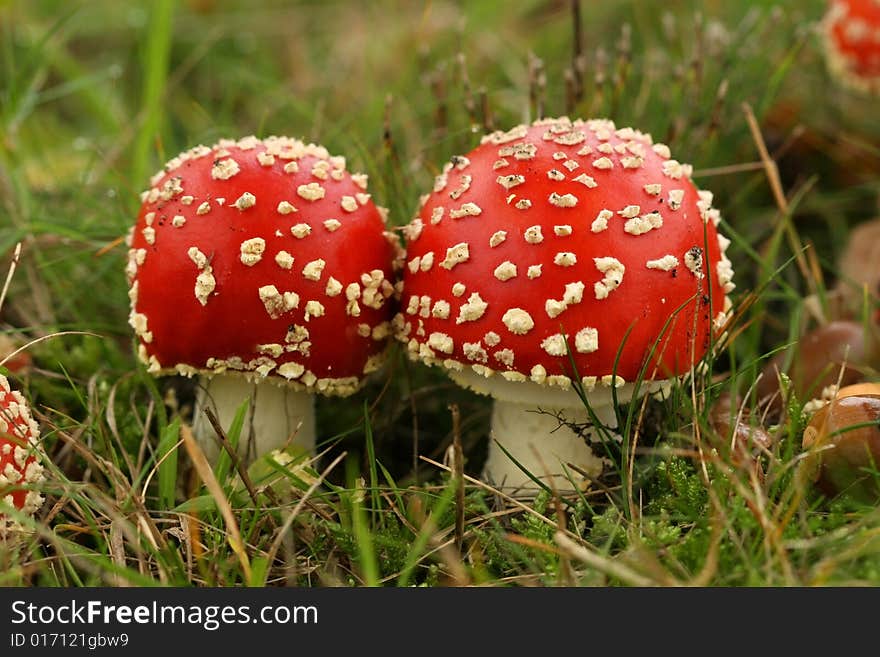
156, 57
371, 462
233, 435
259, 571
168, 443
427, 530
361, 528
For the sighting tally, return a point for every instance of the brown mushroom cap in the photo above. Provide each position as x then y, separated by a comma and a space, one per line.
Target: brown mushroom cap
845, 438
837, 353
859, 267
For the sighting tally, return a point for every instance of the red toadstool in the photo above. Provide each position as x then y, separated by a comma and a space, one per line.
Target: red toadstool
264, 267
20, 455
851, 37
12, 356
557, 241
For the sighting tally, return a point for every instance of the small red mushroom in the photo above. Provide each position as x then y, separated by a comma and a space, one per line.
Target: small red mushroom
264, 267
559, 241
851, 36
20, 455
12, 356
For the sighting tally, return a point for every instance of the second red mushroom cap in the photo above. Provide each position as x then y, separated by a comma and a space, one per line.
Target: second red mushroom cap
565, 239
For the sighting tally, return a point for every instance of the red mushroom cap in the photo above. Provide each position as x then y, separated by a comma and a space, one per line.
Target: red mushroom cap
851, 34
564, 235
11, 358
263, 257
19, 454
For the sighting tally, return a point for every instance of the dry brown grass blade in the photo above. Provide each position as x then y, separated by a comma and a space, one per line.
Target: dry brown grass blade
728, 169
710, 566
631, 460
451, 558
858, 544
115, 478
206, 474
107, 248
487, 487
769, 163
534, 545
537, 85
775, 182
110, 419
507, 498
16, 256
486, 111
566, 573
470, 104
57, 334
603, 564
155, 468
279, 538
117, 551
761, 508
415, 422
226, 446
446, 549
577, 53
458, 473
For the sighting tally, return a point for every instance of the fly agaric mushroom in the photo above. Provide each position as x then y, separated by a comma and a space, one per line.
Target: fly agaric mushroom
556, 241
20, 453
851, 37
264, 267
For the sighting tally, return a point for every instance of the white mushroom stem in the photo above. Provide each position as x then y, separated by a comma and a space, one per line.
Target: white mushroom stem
278, 416
541, 444
538, 441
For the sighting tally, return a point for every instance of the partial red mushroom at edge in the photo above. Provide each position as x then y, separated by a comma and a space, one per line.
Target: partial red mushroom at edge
850, 33
559, 241
263, 267
12, 356
21, 470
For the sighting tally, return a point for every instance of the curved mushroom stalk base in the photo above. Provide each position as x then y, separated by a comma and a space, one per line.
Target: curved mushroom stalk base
276, 414
543, 446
